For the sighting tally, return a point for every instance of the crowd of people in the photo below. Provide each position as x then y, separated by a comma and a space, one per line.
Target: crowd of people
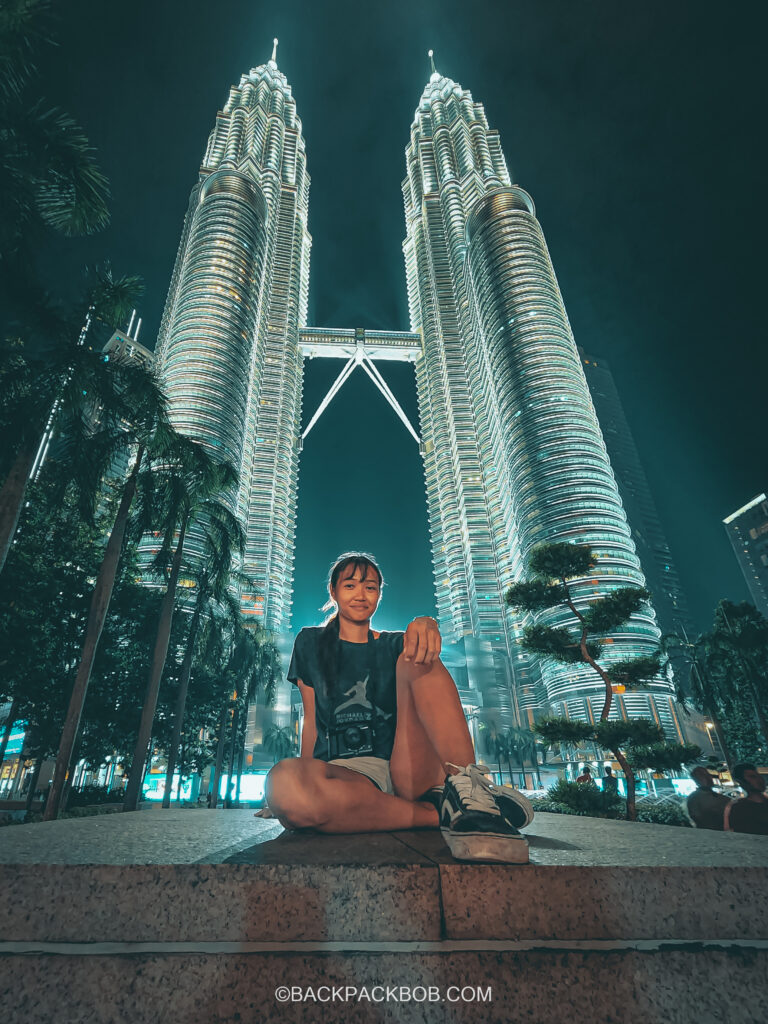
708, 808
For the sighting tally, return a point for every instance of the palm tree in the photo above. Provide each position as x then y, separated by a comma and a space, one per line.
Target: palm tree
514, 742
49, 180
189, 489
700, 688
739, 638
48, 175
66, 385
149, 434
261, 669
212, 592
279, 741
251, 662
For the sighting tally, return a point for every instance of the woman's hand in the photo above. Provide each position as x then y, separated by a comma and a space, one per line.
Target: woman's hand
422, 642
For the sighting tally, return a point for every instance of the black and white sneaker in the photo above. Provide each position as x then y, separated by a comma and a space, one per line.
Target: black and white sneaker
472, 822
516, 808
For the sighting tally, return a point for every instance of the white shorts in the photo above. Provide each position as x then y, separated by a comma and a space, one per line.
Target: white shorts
374, 768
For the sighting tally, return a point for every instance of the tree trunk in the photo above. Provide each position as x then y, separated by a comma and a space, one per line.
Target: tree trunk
586, 656
133, 789
181, 700
629, 778
97, 614
8, 729
69, 779
178, 790
240, 759
12, 495
231, 772
241, 743
216, 780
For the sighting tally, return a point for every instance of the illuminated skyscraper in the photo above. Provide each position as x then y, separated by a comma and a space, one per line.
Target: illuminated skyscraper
659, 567
228, 349
747, 529
513, 452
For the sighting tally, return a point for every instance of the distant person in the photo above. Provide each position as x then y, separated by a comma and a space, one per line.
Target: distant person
704, 806
610, 782
750, 813
586, 776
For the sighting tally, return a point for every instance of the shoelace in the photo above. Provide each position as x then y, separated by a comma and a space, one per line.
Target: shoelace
467, 782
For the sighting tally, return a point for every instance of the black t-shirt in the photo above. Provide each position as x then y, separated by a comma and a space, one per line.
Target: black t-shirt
749, 816
356, 709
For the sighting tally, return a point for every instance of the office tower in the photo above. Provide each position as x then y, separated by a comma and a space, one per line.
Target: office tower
513, 452
747, 529
228, 350
659, 568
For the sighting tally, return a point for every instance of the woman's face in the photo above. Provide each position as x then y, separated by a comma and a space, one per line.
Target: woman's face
357, 593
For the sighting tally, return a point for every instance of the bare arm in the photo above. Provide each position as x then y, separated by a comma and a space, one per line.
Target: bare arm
309, 729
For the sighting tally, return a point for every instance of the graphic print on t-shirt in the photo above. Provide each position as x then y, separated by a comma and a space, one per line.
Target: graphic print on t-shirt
356, 704
357, 695
352, 725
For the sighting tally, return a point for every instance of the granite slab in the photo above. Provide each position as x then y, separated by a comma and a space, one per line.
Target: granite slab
220, 902
681, 986
565, 903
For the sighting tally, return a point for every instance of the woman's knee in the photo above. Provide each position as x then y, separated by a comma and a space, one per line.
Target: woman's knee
288, 790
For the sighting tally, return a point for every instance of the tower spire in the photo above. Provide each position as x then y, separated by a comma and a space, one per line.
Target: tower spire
432, 61
273, 58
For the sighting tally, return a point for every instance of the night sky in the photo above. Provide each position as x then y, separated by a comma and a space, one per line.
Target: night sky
638, 131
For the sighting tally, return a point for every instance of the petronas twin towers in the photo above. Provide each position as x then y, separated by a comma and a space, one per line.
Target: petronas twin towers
513, 453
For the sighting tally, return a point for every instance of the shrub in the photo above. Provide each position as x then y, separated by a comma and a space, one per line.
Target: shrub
586, 799
655, 810
662, 811
90, 795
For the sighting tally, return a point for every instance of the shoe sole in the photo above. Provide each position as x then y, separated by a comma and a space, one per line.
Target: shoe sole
522, 802
483, 846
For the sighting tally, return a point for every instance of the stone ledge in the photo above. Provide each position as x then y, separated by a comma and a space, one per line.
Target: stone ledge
381, 902
215, 902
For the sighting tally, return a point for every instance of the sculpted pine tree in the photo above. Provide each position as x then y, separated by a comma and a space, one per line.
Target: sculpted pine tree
637, 743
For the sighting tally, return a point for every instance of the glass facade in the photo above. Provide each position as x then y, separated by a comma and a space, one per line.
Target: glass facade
514, 454
228, 351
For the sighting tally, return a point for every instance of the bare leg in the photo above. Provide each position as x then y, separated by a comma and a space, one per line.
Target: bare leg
307, 793
431, 729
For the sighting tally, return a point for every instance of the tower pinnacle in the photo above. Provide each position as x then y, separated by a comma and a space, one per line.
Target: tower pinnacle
273, 58
432, 63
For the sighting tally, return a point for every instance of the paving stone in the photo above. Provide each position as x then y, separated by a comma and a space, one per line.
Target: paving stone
569, 840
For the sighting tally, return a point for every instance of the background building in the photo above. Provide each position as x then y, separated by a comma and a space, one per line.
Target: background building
228, 350
513, 452
747, 529
661, 575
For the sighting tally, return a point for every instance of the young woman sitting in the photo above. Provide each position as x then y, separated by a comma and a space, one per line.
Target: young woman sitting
385, 744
